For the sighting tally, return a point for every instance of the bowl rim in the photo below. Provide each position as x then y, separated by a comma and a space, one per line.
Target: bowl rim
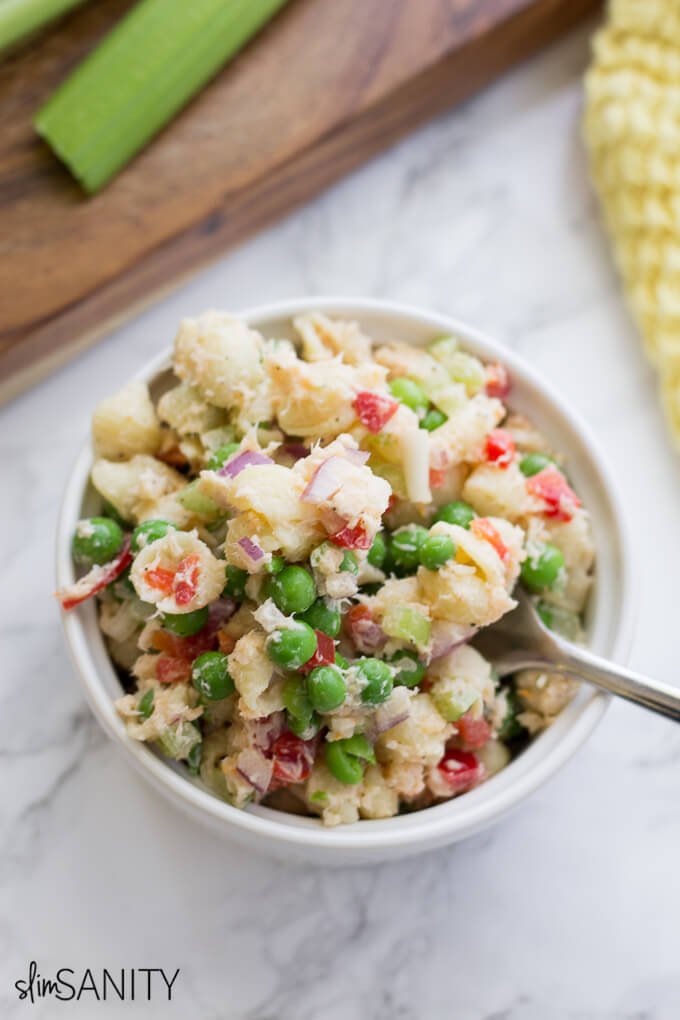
432, 826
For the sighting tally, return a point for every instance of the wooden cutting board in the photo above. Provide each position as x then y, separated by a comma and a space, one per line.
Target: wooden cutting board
328, 84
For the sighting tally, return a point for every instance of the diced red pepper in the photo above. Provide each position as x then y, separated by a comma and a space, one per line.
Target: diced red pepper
186, 579
473, 733
324, 654
160, 578
499, 448
461, 770
182, 583
552, 488
483, 528
374, 410
437, 477
185, 647
96, 579
353, 538
498, 382
293, 759
172, 670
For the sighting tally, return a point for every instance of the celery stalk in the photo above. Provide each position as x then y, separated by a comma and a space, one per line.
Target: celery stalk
143, 72
19, 18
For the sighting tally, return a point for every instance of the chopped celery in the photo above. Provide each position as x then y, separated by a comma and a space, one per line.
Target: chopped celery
391, 473
453, 698
19, 18
406, 623
468, 370
179, 740
461, 367
140, 76
194, 500
442, 347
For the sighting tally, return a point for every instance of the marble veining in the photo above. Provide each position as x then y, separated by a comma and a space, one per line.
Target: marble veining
566, 910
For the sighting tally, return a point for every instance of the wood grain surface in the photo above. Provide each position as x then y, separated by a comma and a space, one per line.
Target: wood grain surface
328, 84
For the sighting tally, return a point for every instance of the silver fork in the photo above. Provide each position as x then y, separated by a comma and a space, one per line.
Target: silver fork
521, 641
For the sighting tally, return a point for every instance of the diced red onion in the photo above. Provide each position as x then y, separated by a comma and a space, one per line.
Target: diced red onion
220, 611
395, 710
239, 461
357, 456
251, 549
257, 770
367, 635
326, 480
296, 450
446, 636
266, 731
332, 522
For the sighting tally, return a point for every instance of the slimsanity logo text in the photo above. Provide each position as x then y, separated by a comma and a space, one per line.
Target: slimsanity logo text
129, 984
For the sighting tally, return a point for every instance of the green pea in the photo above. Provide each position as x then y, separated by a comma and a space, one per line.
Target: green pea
96, 540
436, 551
457, 512
149, 531
346, 768
410, 670
296, 699
235, 587
543, 570
378, 676
145, 704
185, 624
340, 660
292, 590
532, 463
406, 543
345, 758
433, 419
222, 455
327, 689
378, 551
410, 393
292, 646
210, 676
321, 617
194, 758
360, 746
276, 565
349, 562
303, 728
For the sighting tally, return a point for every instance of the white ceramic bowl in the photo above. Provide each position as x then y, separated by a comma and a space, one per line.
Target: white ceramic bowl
609, 627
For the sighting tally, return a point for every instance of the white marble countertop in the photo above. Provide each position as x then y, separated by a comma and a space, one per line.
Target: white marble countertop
566, 910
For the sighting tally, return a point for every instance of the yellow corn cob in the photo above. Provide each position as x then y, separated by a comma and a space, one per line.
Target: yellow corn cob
632, 130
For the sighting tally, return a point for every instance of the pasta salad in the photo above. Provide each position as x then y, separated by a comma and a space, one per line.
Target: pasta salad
297, 545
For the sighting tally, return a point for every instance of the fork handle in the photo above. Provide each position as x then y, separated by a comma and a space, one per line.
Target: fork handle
584, 665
